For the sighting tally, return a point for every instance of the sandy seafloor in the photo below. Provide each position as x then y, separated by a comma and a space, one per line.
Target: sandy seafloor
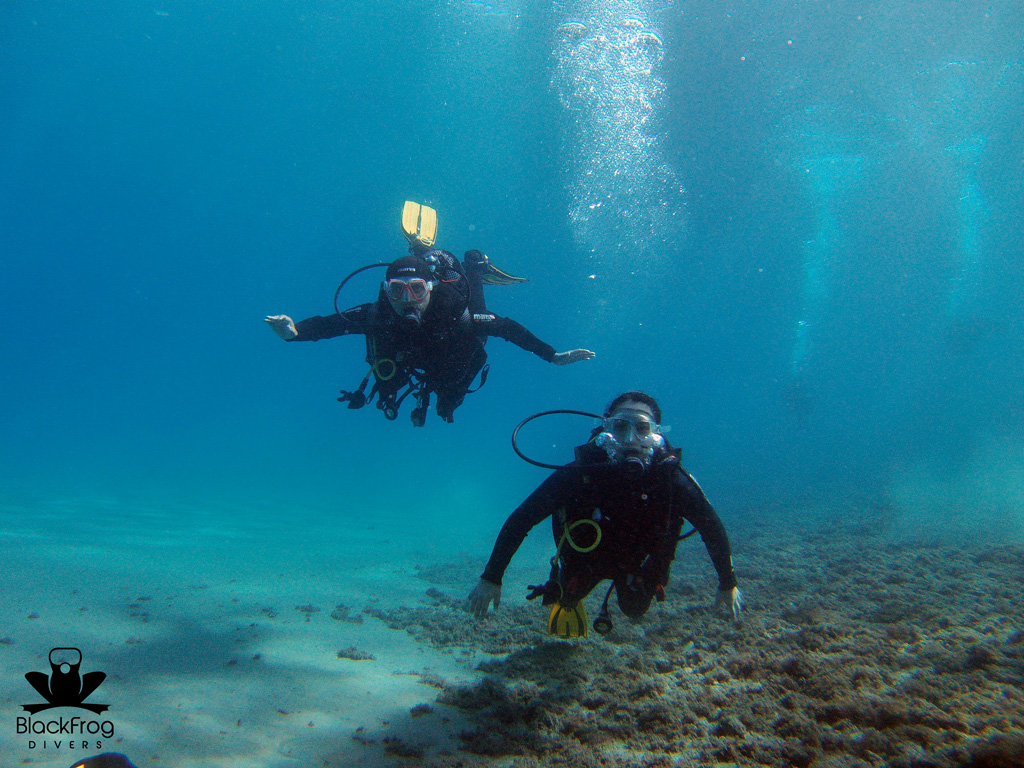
295, 640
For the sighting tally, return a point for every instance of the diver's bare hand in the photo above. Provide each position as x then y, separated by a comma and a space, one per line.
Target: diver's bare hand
572, 356
481, 597
282, 325
732, 600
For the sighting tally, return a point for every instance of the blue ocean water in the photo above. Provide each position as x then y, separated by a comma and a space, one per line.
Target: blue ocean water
796, 224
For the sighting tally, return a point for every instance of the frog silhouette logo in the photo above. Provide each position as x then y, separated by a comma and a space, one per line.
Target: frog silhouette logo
66, 686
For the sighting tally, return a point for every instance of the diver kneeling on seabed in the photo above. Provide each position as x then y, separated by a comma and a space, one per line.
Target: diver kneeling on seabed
617, 513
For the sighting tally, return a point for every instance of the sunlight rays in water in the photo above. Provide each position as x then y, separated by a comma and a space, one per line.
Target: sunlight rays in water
831, 159
950, 111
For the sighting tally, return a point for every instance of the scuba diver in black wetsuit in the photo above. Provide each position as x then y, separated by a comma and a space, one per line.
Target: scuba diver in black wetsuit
617, 512
426, 331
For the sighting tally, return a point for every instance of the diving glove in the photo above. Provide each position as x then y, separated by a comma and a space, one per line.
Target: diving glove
482, 596
731, 599
355, 399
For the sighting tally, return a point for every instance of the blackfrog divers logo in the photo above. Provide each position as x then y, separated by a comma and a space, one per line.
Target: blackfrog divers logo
65, 686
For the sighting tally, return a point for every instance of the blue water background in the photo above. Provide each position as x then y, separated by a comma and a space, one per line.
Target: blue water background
172, 172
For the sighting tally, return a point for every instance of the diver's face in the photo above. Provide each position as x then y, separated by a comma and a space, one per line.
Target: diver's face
403, 308
631, 435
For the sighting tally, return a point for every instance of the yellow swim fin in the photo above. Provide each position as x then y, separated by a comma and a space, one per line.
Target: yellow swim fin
419, 223
568, 622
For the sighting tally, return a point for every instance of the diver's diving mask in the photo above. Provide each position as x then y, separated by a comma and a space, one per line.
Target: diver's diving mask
630, 427
630, 436
413, 289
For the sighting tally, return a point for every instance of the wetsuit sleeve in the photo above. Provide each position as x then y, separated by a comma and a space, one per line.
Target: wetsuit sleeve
538, 506
510, 330
698, 510
355, 320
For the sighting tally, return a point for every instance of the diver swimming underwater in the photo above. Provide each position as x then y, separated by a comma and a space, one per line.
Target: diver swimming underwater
617, 513
427, 330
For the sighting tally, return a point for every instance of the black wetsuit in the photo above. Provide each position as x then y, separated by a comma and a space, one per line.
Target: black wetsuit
640, 516
446, 350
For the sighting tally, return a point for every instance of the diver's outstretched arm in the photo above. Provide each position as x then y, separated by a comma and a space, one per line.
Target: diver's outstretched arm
359, 319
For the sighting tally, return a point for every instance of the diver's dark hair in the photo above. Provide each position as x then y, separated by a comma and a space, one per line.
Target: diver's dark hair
638, 397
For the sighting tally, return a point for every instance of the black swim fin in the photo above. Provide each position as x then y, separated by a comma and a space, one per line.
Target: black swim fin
489, 274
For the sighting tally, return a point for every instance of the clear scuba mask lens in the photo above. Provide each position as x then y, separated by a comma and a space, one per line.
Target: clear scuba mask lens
415, 289
624, 429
